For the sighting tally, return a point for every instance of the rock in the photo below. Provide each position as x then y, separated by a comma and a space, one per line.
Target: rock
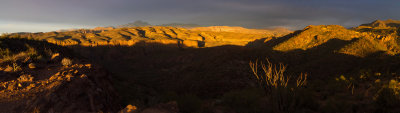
55, 57
12, 86
83, 76
69, 76
32, 65
27, 60
25, 78
8, 69
30, 86
129, 109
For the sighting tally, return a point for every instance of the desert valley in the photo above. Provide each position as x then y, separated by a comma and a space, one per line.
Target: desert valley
211, 69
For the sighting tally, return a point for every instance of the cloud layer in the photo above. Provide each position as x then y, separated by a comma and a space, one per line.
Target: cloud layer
295, 14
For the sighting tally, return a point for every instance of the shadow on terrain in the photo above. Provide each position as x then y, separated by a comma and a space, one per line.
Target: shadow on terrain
150, 71
145, 74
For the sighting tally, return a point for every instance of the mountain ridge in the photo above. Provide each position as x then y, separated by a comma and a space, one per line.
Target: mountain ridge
382, 39
166, 35
383, 23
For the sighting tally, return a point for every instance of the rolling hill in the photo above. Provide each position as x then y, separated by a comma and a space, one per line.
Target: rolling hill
157, 34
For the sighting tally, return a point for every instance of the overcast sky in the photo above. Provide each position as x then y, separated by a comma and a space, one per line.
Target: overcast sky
49, 15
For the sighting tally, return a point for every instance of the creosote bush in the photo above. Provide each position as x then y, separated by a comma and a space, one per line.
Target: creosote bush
273, 76
284, 94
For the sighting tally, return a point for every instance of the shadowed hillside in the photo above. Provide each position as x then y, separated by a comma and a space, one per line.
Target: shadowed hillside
159, 73
323, 68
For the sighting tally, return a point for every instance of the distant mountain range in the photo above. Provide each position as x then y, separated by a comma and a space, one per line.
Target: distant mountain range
140, 23
383, 23
195, 37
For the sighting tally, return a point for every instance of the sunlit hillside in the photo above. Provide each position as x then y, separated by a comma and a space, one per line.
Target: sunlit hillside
36, 74
195, 37
362, 42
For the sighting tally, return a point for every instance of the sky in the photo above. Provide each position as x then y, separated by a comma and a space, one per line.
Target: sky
51, 15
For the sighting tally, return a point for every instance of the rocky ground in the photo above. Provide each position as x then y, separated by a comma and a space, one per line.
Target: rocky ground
52, 84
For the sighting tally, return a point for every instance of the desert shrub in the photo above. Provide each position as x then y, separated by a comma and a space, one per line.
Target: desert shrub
16, 67
274, 77
388, 98
189, 104
348, 82
283, 93
4, 52
31, 52
66, 62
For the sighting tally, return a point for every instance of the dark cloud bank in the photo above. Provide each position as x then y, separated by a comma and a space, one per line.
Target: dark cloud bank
295, 14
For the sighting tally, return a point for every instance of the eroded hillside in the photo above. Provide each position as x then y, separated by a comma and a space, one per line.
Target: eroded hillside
181, 37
